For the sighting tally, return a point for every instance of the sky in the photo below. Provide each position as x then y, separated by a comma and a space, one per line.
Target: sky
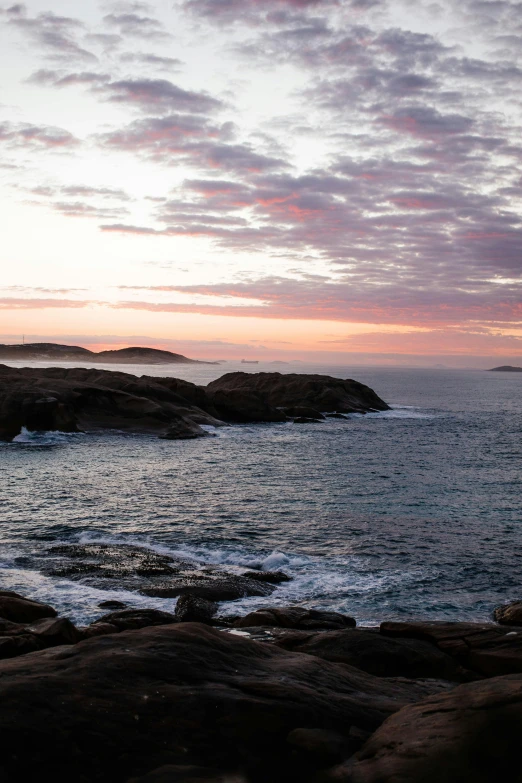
331, 180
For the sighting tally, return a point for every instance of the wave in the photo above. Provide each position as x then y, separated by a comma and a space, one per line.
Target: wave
47, 438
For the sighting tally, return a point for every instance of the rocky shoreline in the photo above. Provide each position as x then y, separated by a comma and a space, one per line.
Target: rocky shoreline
87, 400
283, 693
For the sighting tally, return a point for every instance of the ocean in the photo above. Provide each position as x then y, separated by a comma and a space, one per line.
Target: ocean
411, 513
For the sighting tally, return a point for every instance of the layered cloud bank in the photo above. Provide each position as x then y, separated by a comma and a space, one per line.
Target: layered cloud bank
217, 165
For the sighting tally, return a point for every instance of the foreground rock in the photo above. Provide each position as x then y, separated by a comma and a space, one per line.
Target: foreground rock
295, 617
148, 572
376, 654
469, 734
484, 648
77, 399
121, 706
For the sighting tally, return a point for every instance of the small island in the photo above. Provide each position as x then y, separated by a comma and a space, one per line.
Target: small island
506, 368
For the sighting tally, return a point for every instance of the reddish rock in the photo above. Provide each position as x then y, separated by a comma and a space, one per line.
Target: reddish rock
509, 614
469, 734
119, 706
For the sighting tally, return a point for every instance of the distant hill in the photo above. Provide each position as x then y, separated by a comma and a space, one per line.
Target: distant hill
71, 353
506, 368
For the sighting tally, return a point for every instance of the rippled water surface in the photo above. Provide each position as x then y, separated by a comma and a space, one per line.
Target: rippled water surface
415, 512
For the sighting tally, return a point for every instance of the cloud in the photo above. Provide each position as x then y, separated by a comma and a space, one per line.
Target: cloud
57, 36
22, 134
134, 25
12, 303
159, 95
51, 78
149, 59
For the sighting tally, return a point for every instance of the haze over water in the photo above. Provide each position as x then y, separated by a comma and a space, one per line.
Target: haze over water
414, 512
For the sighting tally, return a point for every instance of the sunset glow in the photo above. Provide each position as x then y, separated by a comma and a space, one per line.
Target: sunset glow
284, 179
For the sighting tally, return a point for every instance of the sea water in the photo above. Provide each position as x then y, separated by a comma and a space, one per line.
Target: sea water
414, 512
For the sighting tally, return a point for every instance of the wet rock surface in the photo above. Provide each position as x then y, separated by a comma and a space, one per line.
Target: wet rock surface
149, 573
123, 705
17, 609
190, 608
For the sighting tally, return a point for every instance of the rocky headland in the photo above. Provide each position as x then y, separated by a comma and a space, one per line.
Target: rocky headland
284, 693
89, 399
55, 352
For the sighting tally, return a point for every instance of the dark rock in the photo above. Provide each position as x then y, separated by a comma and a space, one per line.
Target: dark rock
320, 746
320, 392
336, 416
237, 405
302, 411
273, 577
53, 631
469, 734
112, 605
183, 774
485, 648
129, 619
212, 586
13, 646
97, 629
119, 706
69, 399
184, 429
111, 561
23, 610
509, 614
376, 654
295, 617
303, 420
191, 609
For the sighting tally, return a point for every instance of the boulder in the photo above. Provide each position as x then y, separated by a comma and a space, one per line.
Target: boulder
17, 609
471, 733
376, 654
182, 428
190, 608
295, 617
112, 605
320, 392
129, 619
273, 577
336, 416
118, 706
484, 648
509, 614
304, 420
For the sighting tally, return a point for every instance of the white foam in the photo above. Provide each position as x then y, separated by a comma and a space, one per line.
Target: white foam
47, 438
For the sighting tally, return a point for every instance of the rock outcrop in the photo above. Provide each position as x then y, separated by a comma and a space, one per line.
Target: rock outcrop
320, 392
72, 400
470, 734
150, 573
122, 705
73, 353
